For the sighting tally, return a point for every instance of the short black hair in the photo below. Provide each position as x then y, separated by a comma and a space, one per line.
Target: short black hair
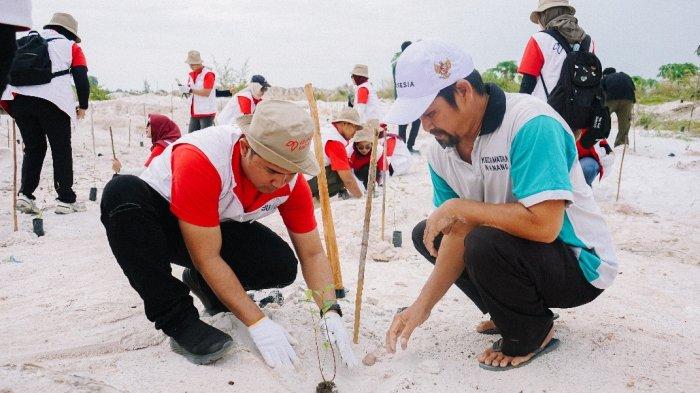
474, 79
405, 45
609, 71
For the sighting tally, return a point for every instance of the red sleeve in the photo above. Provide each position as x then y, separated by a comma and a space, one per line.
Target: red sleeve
209, 80
154, 153
195, 187
78, 57
362, 95
298, 210
244, 105
390, 146
533, 60
337, 155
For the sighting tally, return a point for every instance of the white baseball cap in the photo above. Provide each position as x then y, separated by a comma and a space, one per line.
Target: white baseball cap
423, 69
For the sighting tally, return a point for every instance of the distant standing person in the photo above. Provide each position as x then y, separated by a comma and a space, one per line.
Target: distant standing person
415, 126
542, 61
200, 85
619, 98
16, 16
366, 100
45, 110
243, 102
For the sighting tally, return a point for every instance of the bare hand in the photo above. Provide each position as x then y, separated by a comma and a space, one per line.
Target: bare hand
403, 325
80, 113
116, 165
440, 221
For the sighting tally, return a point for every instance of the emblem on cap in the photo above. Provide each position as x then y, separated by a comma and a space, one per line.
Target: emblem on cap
442, 68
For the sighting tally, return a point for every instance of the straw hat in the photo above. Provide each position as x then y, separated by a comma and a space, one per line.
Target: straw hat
281, 132
360, 70
364, 135
348, 115
547, 4
193, 57
66, 21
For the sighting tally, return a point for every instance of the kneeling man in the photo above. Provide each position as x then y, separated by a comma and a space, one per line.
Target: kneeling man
516, 227
196, 205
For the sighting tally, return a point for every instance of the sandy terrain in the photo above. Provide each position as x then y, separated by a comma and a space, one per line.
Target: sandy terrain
69, 321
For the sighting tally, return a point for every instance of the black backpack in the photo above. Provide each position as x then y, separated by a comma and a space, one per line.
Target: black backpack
578, 96
32, 64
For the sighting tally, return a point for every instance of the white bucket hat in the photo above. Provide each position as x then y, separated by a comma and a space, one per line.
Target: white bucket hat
544, 5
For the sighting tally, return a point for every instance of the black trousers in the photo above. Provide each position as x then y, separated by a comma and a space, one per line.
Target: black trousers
145, 239
335, 183
39, 119
415, 126
516, 281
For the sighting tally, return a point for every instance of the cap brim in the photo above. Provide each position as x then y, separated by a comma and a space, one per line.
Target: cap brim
405, 110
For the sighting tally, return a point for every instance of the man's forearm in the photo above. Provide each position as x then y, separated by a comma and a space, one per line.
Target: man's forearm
349, 182
228, 289
317, 274
540, 223
449, 265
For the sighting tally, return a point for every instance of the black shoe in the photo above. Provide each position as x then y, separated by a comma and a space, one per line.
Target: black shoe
343, 194
200, 343
414, 151
212, 304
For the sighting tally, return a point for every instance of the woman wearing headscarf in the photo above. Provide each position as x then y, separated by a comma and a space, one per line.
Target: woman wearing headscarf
541, 63
162, 132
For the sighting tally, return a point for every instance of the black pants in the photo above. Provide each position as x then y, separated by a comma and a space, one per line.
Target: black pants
145, 239
516, 281
39, 119
335, 183
415, 126
363, 174
8, 47
200, 123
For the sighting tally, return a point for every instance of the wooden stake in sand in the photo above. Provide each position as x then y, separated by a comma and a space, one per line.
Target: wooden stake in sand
619, 178
328, 226
385, 178
365, 235
129, 145
14, 175
172, 112
111, 139
8, 132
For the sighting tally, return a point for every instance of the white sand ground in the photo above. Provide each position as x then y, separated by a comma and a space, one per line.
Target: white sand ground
69, 320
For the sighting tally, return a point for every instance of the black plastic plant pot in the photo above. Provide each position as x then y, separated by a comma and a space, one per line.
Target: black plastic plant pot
396, 238
326, 387
38, 224
141, 143
340, 293
93, 193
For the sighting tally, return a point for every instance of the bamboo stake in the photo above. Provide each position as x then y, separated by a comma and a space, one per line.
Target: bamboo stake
619, 178
365, 236
328, 226
385, 177
111, 139
14, 176
172, 115
129, 145
8, 132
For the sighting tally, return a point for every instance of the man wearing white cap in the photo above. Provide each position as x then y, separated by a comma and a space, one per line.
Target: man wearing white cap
516, 227
197, 206
200, 84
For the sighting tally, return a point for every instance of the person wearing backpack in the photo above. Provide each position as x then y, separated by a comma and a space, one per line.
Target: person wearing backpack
41, 100
16, 16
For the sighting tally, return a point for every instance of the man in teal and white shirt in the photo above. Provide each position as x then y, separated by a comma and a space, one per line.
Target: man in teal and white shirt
516, 227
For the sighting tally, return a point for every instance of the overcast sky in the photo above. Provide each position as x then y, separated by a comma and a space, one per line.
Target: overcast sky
292, 42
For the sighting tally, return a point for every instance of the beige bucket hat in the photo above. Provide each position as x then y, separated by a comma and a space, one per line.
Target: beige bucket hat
364, 135
193, 57
348, 115
547, 4
281, 132
360, 70
66, 21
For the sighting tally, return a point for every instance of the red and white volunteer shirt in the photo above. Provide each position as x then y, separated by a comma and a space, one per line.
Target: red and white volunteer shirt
204, 78
242, 103
202, 178
157, 150
64, 54
335, 149
543, 59
367, 102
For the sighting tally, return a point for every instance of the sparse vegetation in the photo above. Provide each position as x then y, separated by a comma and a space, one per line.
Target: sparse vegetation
97, 92
505, 75
327, 384
228, 77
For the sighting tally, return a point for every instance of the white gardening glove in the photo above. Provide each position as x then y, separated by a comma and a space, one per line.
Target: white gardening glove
184, 89
339, 336
273, 342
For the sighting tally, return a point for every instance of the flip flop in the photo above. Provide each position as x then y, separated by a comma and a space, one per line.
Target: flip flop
495, 330
551, 345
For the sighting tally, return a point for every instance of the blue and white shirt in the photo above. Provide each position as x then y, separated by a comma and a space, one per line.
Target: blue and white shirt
526, 153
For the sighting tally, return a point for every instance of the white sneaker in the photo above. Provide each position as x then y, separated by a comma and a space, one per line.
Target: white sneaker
26, 205
68, 208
